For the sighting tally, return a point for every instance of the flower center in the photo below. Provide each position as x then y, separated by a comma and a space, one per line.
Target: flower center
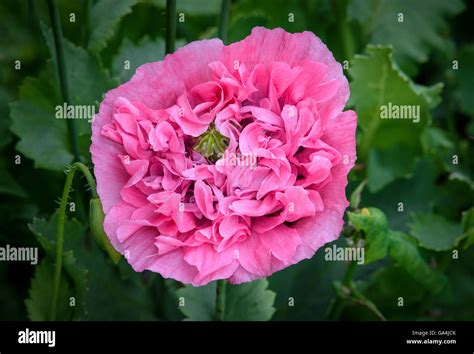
211, 144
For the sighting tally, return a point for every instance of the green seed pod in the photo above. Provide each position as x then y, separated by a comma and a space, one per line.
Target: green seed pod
96, 215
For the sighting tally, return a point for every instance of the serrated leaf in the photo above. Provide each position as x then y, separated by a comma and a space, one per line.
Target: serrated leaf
244, 302
45, 232
43, 138
41, 292
390, 143
105, 16
413, 28
374, 225
101, 281
403, 250
249, 302
434, 232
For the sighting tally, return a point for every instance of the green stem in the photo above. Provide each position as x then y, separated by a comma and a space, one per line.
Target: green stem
224, 20
62, 73
220, 300
337, 306
340, 7
60, 228
170, 26
87, 21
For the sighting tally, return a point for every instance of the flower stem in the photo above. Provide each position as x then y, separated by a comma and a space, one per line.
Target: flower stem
220, 300
224, 20
337, 306
62, 73
170, 26
60, 228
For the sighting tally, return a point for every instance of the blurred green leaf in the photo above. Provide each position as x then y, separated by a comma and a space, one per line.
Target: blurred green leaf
404, 196
313, 276
105, 16
386, 286
455, 302
434, 232
193, 7
413, 28
464, 76
131, 56
391, 146
8, 184
403, 250
468, 228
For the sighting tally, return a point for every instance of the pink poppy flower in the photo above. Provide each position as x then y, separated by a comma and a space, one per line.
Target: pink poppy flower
226, 162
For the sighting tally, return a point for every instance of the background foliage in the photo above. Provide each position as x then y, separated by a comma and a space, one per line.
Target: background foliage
426, 60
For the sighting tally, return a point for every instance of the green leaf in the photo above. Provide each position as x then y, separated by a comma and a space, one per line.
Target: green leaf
135, 55
198, 304
45, 232
423, 27
313, 276
244, 302
455, 302
464, 77
405, 196
403, 250
434, 232
468, 228
249, 302
41, 292
105, 16
374, 225
391, 145
8, 184
43, 137
5, 135
385, 286
193, 7
95, 280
